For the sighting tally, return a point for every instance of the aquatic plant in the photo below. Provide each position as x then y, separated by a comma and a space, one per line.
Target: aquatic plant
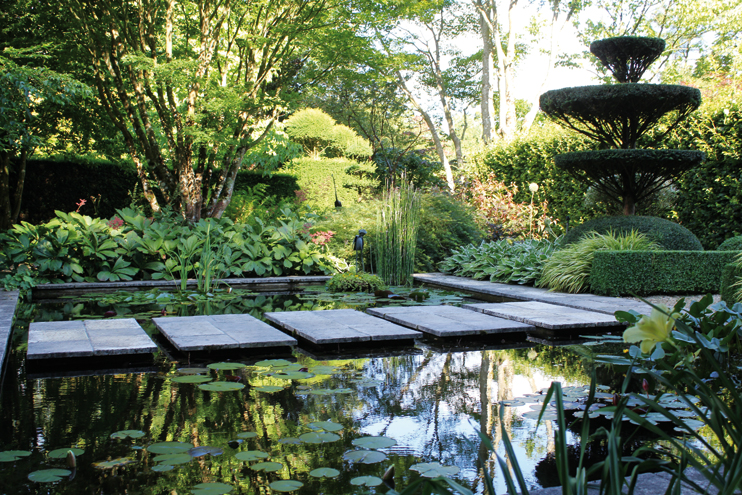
395, 240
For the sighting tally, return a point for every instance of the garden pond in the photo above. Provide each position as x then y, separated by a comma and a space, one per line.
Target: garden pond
302, 423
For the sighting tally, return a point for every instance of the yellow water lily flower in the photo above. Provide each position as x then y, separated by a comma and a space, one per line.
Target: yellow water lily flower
650, 330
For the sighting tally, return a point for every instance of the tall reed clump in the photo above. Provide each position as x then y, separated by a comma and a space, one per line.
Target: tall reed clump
397, 223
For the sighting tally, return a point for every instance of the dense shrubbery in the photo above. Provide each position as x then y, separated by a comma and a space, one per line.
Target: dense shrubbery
355, 282
731, 282
519, 262
318, 133
77, 248
731, 244
667, 234
393, 164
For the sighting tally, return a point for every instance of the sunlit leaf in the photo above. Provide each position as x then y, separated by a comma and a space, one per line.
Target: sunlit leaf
325, 425
122, 434
226, 366
211, 489
374, 442
222, 386
268, 467
434, 469
324, 472
314, 437
192, 379
169, 447
251, 455
13, 455
62, 453
366, 481
286, 485
364, 456
49, 475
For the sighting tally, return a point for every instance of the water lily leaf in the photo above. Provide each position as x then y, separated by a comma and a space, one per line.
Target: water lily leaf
325, 425
374, 442
205, 450
293, 375
13, 455
681, 413
548, 415
314, 437
328, 391
211, 489
121, 461
49, 475
324, 472
173, 459
366, 481
169, 447
434, 469
192, 371
364, 456
269, 389
368, 382
247, 434
286, 485
121, 434
290, 441
273, 363
160, 468
222, 386
512, 403
251, 455
268, 467
323, 369
62, 453
226, 366
192, 379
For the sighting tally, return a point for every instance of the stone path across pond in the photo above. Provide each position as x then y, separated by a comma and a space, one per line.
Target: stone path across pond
544, 315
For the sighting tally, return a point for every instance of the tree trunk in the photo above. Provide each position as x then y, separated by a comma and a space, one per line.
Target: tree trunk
488, 93
18, 196
5, 210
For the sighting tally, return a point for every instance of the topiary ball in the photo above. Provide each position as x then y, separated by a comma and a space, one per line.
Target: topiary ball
667, 234
731, 244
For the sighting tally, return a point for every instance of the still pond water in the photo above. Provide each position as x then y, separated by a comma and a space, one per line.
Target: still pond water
295, 414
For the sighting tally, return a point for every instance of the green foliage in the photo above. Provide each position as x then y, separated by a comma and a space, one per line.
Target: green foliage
627, 56
318, 133
731, 244
394, 164
661, 272
569, 270
506, 261
395, 240
355, 282
273, 151
254, 201
731, 282
315, 179
667, 234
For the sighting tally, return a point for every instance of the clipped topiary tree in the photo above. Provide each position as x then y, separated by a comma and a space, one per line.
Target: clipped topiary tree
317, 132
617, 116
731, 244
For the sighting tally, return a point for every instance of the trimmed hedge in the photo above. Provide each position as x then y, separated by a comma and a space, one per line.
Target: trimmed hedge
731, 244
667, 234
730, 275
643, 273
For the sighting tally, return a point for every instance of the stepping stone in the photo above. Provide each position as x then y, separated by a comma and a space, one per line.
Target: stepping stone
448, 321
336, 326
544, 315
86, 338
207, 333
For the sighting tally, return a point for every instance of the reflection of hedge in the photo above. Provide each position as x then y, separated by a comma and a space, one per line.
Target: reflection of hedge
617, 273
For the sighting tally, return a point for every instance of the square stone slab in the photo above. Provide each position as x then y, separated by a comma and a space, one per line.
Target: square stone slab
336, 326
209, 333
87, 338
544, 315
448, 321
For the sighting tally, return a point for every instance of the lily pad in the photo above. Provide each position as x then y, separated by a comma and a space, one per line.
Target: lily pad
268, 467
205, 450
192, 379
329, 391
374, 442
368, 382
325, 425
323, 370
222, 386
434, 469
121, 434
286, 485
121, 461
512, 403
211, 489
269, 389
324, 473
161, 468
169, 447
364, 456
173, 459
13, 455
49, 475
366, 481
293, 375
247, 434
548, 415
226, 366
251, 455
192, 371
273, 363
290, 441
62, 453
315, 437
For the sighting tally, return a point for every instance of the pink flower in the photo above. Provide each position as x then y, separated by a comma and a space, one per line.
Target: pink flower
115, 223
80, 204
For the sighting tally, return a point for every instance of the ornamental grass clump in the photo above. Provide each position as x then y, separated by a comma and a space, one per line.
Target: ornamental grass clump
355, 282
568, 270
395, 242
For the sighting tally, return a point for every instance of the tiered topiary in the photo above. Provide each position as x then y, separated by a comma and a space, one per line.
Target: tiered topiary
617, 116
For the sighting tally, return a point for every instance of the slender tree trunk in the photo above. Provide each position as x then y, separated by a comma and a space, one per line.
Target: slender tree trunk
488, 93
5, 210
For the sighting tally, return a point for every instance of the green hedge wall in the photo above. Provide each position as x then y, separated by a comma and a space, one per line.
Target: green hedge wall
617, 273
